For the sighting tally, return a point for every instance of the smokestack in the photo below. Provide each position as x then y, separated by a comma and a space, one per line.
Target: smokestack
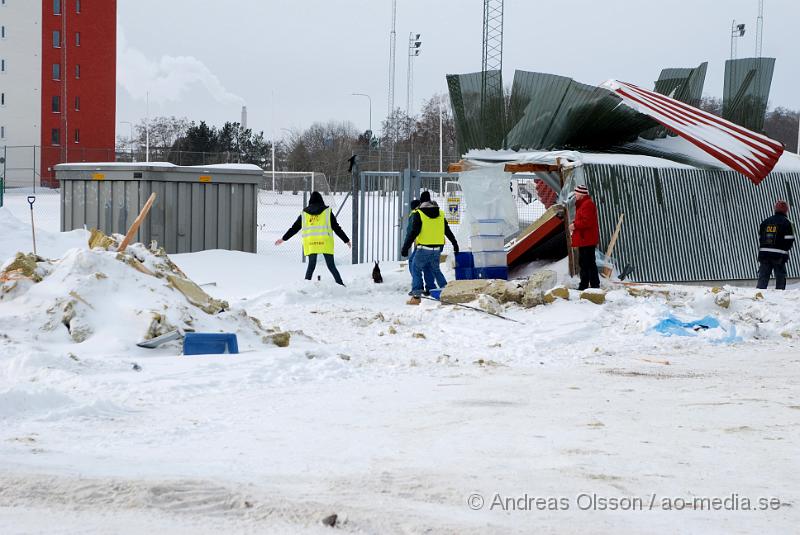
244, 118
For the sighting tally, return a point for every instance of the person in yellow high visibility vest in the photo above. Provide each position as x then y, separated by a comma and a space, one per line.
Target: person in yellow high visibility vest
428, 231
318, 225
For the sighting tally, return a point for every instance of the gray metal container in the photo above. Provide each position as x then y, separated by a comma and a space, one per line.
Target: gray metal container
196, 208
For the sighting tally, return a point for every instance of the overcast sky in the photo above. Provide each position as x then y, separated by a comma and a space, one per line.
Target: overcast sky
293, 62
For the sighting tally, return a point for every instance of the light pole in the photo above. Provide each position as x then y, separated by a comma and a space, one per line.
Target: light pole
737, 30
147, 132
414, 45
370, 107
130, 142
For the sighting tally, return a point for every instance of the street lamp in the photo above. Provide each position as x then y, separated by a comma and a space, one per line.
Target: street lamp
130, 142
370, 107
414, 44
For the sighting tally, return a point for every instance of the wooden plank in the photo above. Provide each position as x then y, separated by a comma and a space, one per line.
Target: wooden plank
135, 227
531, 168
542, 229
612, 244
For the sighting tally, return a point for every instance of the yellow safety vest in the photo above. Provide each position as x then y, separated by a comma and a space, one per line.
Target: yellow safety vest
432, 232
317, 233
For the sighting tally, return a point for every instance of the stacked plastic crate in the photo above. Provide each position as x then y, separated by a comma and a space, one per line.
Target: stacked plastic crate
488, 258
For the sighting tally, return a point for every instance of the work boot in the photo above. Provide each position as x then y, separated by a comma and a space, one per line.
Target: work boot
414, 300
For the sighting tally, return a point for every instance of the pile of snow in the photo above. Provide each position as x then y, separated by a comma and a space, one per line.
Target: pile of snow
16, 236
103, 301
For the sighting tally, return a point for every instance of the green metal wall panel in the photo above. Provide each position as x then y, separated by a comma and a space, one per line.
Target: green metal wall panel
746, 92
684, 225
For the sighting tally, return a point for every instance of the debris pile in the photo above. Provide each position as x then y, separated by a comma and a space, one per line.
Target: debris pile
101, 296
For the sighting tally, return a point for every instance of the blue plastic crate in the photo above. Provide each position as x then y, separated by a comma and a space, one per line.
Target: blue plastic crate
464, 260
209, 343
491, 273
466, 273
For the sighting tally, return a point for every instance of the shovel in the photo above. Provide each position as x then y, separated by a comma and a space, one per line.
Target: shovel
31, 200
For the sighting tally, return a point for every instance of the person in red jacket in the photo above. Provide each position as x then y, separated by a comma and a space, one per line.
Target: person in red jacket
585, 233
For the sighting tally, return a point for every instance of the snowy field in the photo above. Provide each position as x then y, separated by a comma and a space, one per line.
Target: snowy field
399, 419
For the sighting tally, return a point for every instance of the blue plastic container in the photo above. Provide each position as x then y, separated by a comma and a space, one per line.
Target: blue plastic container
209, 343
436, 292
464, 274
464, 260
491, 273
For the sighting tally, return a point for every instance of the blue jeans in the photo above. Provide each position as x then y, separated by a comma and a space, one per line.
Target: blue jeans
423, 266
441, 282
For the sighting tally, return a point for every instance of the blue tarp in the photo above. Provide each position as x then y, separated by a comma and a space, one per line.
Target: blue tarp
672, 326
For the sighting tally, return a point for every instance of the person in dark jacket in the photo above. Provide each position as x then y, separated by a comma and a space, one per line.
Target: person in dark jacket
585, 232
428, 231
318, 225
413, 209
776, 237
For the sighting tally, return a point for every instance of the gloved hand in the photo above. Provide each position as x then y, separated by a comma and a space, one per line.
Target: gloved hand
455, 249
404, 253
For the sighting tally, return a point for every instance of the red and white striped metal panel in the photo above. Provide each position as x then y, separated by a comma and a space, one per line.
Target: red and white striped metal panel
754, 155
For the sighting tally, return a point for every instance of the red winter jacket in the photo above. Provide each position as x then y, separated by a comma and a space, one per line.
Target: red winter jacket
587, 231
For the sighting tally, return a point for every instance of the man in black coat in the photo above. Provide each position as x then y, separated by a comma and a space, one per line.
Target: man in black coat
776, 238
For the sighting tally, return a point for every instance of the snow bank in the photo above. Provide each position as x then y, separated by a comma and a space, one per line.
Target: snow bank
15, 236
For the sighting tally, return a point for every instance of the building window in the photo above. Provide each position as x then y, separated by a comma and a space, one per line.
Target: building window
2, 32
2, 99
77, 6
56, 39
2, 65
77, 103
56, 71
2, 128
77, 72
56, 105
55, 136
56, 7
77, 38
77, 135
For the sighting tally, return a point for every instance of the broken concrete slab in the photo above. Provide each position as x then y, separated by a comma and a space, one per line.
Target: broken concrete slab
463, 291
559, 292
595, 295
538, 283
489, 304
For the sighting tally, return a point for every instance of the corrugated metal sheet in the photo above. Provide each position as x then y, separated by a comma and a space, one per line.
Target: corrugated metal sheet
477, 128
683, 84
687, 225
746, 92
195, 209
549, 111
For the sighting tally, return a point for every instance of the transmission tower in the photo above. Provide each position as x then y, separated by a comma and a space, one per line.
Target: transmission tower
392, 57
760, 28
492, 62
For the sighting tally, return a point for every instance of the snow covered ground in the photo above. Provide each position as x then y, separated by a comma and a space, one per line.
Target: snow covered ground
429, 419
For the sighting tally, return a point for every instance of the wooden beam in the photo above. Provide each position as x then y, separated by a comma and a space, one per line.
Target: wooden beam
531, 168
612, 244
137, 223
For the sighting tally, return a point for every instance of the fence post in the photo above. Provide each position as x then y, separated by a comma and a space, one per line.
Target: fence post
3, 176
354, 174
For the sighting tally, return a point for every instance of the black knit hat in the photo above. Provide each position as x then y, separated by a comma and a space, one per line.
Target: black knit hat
415, 204
316, 198
425, 197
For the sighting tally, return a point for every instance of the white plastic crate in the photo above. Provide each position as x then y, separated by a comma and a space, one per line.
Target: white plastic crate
486, 243
487, 227
490, 259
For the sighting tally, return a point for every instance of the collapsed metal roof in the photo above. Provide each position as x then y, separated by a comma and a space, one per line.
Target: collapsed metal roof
548, 112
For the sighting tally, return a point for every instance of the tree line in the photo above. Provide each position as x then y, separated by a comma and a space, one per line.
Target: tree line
323, 147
